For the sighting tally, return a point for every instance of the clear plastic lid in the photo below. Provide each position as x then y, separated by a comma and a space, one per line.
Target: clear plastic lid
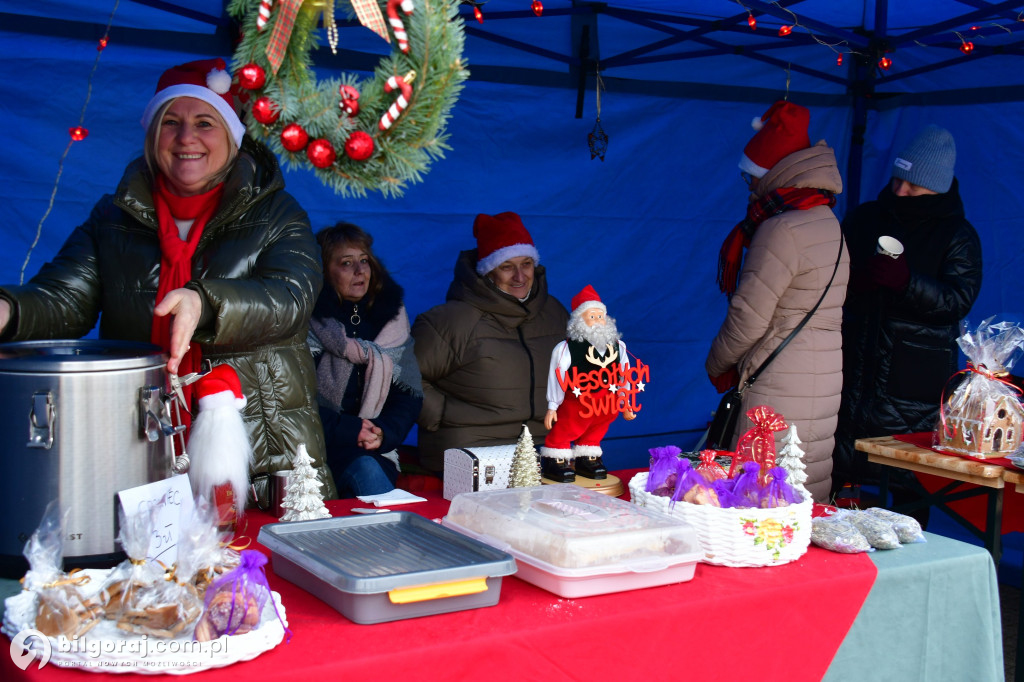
571, 527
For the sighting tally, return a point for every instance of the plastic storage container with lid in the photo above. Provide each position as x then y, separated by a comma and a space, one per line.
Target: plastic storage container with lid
576, 543
388, 566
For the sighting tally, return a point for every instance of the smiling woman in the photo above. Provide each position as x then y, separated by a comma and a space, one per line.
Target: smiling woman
484, 352
193, 145
202, 254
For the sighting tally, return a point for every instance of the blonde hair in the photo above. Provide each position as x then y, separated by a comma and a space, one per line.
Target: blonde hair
153, 139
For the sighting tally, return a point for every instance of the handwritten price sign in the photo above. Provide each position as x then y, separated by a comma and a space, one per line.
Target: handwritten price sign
171, 503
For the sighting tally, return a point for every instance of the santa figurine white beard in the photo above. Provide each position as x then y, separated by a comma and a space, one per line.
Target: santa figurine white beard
219, 446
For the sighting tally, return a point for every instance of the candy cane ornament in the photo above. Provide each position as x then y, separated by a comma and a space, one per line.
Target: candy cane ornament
399, 105
396, 22
264, 14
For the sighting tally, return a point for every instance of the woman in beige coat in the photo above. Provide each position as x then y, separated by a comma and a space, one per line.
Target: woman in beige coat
793, 241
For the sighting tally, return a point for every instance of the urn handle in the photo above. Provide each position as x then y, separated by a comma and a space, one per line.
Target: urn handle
41, 418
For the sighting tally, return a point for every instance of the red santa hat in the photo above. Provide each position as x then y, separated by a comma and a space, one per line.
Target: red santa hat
587, 299
781, 131
207, 80
499, 238
219, 387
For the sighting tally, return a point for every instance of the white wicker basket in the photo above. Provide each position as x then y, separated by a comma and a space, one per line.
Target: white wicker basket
737, 537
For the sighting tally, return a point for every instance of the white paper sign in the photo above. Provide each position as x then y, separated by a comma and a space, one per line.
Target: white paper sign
171, 502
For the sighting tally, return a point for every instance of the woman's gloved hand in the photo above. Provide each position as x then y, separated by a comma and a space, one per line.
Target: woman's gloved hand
723, 382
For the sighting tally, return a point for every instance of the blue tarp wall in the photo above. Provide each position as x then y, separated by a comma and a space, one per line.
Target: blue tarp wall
643, 226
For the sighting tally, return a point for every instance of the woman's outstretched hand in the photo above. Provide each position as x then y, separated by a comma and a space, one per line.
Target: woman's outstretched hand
186, 306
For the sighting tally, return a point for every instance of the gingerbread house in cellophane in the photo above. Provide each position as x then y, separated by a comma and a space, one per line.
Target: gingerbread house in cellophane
984, 415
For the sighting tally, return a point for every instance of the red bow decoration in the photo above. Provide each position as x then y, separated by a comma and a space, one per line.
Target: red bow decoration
758, 443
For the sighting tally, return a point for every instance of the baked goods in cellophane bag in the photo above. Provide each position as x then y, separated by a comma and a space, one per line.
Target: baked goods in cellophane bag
209, 546
234, 601
983, 416
61, 608
130, 593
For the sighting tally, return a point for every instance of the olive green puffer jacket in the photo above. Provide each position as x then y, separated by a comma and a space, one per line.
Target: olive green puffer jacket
256, 269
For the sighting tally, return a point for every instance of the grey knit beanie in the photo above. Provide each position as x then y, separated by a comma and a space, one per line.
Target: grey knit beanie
928, 160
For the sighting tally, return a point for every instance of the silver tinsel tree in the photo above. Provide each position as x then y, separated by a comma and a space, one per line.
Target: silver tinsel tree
525, 463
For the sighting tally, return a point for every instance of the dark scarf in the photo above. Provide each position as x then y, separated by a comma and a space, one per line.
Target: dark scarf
730, 257
176, 258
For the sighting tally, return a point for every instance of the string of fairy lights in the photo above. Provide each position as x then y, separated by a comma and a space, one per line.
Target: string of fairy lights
77, 133
841, 47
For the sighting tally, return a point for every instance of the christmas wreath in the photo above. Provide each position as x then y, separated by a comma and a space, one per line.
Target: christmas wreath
379, 133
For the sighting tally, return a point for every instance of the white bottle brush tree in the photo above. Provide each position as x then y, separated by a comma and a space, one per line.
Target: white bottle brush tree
791, 458
303, 500
525, 463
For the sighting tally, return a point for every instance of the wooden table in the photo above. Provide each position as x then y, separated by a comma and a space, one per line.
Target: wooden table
989, 478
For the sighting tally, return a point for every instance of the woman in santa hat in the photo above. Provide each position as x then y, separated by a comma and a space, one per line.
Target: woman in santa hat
775, 265
484, 353
201, 251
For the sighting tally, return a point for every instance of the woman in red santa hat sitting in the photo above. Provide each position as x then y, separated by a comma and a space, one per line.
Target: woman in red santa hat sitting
201, 251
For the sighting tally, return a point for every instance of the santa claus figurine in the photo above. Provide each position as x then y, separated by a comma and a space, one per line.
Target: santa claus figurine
583, 398
218, 444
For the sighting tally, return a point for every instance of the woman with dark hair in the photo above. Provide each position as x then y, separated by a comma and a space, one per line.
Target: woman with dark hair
201, 251
369, 387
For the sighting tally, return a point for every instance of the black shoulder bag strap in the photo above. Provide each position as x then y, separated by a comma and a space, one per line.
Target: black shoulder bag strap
753, 377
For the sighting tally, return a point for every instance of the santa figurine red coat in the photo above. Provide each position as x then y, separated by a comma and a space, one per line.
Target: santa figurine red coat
583, 399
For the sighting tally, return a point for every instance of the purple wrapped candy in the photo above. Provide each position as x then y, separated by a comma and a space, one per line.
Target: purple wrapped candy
778, 493
664, 461
747, 489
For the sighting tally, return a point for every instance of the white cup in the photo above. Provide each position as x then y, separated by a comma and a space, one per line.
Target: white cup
890, 246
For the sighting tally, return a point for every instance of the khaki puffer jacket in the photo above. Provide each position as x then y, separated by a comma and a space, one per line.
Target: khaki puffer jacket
256, 268
484, 357
789, 262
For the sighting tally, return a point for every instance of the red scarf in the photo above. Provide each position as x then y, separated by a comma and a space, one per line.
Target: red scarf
176, 258
730, 257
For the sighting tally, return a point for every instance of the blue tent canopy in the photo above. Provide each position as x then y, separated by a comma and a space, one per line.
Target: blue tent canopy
682, 80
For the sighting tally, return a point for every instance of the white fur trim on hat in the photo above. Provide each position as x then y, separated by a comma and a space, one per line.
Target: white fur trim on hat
505, 253
221, 399
749, 166
587, 305
198, 92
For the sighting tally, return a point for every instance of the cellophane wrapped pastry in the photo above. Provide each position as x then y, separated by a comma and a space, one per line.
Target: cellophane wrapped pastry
210, 546
61, 610
125, 591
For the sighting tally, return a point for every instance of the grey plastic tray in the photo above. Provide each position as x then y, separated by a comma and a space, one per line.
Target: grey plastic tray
357, 564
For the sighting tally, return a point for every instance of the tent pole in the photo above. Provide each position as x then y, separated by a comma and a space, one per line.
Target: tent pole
862, 87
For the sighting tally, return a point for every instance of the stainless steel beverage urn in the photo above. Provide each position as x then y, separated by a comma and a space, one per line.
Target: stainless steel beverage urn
81, 420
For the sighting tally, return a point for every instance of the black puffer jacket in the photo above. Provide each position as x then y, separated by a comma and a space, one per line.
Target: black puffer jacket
899, 349
256, 269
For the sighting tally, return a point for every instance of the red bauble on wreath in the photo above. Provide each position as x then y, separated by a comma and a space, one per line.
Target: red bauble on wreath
294, 138
265, 111
321, 153
252, 77
359, 146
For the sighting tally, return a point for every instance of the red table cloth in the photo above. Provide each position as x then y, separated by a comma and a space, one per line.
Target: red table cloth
783, 622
